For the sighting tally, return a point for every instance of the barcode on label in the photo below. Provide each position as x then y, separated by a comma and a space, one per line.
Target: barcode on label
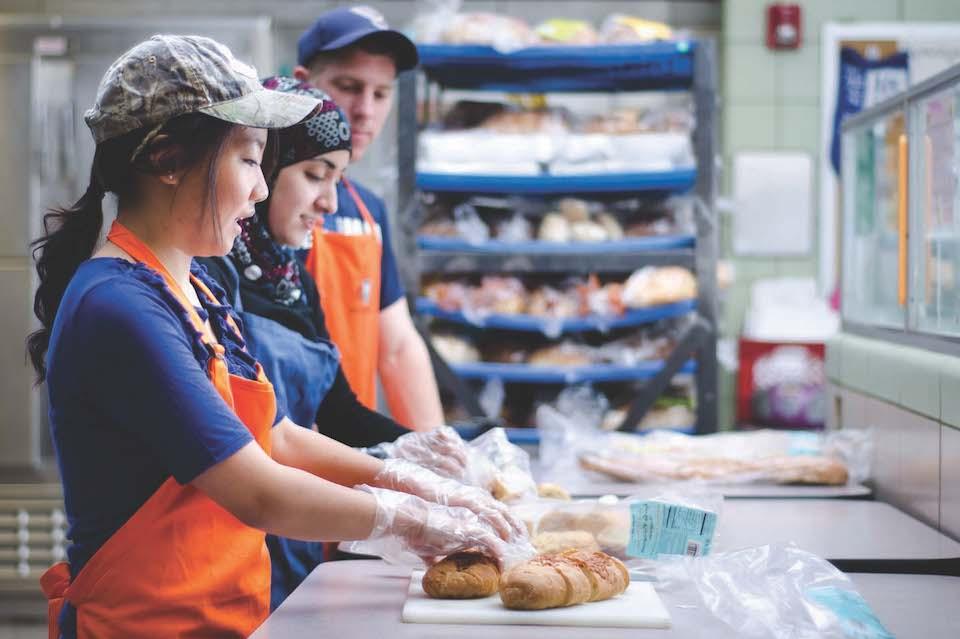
693, 548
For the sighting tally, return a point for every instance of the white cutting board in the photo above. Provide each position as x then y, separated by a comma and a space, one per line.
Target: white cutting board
638, 607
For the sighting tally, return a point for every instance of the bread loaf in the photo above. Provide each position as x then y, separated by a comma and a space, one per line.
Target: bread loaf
462, 575
565, 579
548, 543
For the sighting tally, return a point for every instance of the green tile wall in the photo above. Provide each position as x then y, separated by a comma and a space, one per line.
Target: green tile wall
771, 100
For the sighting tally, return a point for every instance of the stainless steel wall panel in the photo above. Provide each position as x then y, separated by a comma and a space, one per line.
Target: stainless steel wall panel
950, 481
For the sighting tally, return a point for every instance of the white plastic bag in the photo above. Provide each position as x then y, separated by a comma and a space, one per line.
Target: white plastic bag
768, 592
500, 467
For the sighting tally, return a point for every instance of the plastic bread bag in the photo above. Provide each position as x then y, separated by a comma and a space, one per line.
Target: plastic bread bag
500, 467
515, 229
767, 592
637, 530
469, 225
764, 456
565, 428
431, 19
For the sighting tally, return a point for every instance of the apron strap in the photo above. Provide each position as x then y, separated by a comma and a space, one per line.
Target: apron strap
361, 206
54, 583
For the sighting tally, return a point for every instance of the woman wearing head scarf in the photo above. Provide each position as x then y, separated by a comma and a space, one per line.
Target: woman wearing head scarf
283, 323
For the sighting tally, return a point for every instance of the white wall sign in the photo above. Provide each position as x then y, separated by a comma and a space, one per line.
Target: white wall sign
772, 197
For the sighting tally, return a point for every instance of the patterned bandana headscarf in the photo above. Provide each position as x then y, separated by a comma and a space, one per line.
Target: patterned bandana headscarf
263, 263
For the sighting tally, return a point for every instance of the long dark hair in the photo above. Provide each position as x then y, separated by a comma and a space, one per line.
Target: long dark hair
70, 234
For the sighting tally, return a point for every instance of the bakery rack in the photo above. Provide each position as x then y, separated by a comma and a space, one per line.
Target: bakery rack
684, 65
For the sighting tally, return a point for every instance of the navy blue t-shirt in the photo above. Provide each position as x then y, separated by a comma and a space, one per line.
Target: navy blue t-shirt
348, 221
130, 401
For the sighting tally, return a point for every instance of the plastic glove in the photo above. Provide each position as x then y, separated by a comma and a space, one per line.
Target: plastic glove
408, 529
440, 450
401, 475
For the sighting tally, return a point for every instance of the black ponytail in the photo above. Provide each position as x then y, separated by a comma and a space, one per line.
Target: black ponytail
71, 234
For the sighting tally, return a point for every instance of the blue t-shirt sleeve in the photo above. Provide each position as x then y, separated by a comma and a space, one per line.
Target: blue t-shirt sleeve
391, 288
150, 381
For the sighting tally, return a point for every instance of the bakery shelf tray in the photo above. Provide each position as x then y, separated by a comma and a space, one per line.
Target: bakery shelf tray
625, 67
532, 323
653, 182
533, 247
526, 374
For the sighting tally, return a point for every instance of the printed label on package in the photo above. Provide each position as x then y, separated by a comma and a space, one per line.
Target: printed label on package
658, 528
855, 617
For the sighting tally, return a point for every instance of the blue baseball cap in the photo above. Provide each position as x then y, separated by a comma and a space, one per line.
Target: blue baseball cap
342, 27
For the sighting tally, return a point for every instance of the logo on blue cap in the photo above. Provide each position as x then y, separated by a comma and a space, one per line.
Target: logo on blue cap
372, 15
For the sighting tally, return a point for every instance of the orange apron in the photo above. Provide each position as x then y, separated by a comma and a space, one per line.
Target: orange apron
181, 565
347, 271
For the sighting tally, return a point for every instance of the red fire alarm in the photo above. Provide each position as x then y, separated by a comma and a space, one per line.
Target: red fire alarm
783, 26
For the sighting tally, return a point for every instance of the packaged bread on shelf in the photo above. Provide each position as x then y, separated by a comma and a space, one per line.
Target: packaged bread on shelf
495, 30
588, 232
547, 301
625, 29
565, 579
574, 209
611, 226
563, 354
455, 349
462, 575
566, 31
554, 228
651, 286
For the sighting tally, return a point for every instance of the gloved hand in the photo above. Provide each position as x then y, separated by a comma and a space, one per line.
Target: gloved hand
440, 450
407, 526
403, 476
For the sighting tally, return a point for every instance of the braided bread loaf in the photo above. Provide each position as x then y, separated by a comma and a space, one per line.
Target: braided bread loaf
565, 579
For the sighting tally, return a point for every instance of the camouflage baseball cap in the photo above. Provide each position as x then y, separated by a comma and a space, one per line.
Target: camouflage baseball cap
171, 75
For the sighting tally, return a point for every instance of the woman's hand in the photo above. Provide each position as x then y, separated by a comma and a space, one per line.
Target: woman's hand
405, 523
440, 450
403, 476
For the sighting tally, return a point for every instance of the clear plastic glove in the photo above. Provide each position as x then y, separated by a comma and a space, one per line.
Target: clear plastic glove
440, 450
408, 528
401, 475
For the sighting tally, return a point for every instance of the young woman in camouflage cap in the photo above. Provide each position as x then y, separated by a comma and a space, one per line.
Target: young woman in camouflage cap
173, 455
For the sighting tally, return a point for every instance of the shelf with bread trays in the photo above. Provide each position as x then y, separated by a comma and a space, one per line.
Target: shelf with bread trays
549, 326
662, 66
657, 66
533, 247
592, 373
674, 182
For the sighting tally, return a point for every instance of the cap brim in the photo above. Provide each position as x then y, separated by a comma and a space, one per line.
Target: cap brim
403, 48
265, 109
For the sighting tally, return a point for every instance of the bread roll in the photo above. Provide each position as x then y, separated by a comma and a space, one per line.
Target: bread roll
552, 491
554, 228
611, 225
574, 210
565, 579
548, 543
462, 575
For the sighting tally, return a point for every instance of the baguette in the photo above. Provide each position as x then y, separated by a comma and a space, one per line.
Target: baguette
566, 579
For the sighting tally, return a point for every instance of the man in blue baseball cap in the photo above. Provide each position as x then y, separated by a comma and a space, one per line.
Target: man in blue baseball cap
353, 55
